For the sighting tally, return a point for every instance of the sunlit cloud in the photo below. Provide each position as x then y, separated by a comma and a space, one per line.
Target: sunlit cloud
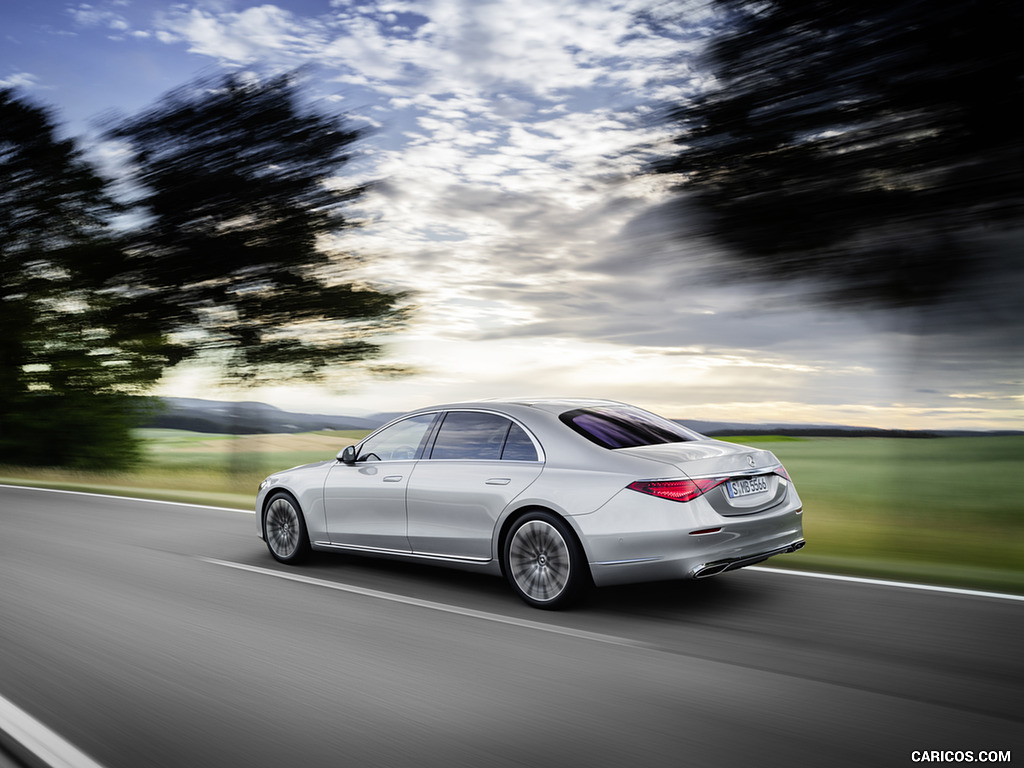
990, 396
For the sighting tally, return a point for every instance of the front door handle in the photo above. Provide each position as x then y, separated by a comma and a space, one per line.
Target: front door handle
499, 481
393, 479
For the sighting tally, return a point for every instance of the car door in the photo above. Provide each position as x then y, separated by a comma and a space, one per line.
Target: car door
479, 462
365, 501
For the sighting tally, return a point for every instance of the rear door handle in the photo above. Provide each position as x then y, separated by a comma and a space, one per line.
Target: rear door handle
499, 481
393, 479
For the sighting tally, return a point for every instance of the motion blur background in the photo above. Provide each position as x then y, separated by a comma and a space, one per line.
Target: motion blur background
755, 213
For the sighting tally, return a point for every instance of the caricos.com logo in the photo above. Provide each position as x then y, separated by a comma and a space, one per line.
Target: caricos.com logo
960, 756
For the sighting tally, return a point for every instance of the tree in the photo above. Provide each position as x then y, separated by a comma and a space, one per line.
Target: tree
67, 361
865, 144
239, 187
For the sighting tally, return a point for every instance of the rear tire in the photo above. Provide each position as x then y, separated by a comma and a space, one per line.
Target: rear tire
284, 529
544, 564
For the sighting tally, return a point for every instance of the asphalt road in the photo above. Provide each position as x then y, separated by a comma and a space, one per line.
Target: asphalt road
129, 629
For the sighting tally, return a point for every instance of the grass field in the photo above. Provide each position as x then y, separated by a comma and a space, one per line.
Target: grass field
944, 510
195, 467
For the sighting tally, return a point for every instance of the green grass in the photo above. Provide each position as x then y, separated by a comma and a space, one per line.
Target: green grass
178, 450
945, 510
191, 467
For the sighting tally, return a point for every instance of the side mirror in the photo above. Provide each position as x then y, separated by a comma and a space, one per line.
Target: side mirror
347, 455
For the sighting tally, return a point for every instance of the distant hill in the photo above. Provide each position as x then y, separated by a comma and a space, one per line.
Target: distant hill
246, 418
250, 418
721, 429
718, 428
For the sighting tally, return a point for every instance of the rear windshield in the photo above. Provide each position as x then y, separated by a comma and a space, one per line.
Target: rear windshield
625, 427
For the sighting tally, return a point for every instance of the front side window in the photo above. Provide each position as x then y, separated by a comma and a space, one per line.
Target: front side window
403, 440
625, 427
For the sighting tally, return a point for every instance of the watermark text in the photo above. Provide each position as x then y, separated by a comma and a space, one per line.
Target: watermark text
961, 756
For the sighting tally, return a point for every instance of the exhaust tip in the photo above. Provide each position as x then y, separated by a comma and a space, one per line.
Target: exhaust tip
703, 571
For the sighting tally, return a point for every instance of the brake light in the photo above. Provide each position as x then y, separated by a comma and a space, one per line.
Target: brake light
677, 490
781, 472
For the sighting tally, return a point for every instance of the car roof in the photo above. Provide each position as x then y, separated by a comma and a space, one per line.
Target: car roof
550, 404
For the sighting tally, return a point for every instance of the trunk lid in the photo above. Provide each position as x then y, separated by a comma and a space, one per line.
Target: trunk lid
749, 485
705, 458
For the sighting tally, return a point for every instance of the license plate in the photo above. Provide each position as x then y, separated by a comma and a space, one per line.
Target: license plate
747, 486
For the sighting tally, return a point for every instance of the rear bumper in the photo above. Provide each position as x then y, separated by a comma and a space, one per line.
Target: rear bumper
637, 537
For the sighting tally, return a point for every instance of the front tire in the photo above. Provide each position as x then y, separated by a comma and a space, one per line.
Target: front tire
543, 562
284, 530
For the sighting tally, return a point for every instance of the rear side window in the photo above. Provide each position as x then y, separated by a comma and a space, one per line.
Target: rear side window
519, 446
469, 435
625, 427
465, 435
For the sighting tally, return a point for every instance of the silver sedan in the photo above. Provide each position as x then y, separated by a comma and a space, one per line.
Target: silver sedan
556, 495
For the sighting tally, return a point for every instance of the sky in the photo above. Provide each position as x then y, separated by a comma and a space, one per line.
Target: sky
508, 137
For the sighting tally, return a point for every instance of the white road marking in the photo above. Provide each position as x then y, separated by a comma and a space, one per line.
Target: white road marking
131, 498
435, 606
52, 749
806, 574
885, 583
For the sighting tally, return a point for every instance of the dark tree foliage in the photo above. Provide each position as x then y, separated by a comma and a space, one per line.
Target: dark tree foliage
67, 360
239, 186
866, 144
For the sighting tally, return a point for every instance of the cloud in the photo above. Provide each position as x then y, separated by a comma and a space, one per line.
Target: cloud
19, 80
264, 33
86, 15
104, 16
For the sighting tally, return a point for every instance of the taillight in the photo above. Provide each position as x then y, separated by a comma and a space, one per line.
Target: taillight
677, 490
781, 472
